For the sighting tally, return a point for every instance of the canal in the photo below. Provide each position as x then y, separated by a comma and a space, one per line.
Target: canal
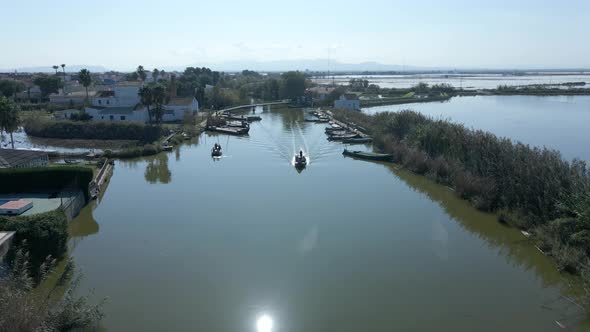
246, 243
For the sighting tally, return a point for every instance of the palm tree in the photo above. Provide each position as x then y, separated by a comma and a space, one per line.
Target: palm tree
63, 67
147, 98
55, 68
156, 74
85, 79
159, 95
9, 117
141, 73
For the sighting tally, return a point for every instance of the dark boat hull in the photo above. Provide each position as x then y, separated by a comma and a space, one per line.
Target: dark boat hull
361, 140
368, 155
229, 130
342, 137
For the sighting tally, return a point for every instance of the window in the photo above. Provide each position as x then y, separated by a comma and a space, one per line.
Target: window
112, 117
100, 102
122, 117
102, 117
108, 101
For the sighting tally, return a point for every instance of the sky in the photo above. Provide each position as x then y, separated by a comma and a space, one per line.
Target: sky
121, 34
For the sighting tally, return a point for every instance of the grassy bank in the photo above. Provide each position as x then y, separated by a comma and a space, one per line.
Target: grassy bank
402, 100
531, 188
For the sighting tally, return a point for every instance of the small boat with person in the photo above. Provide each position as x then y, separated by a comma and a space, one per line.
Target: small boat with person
368, 155
300, 160
216, 150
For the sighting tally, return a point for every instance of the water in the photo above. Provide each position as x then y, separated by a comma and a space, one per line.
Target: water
247, 243
559, 122
465, 81
23, 141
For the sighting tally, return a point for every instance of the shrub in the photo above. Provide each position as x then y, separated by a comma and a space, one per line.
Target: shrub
24, 308
93, 130
41, 235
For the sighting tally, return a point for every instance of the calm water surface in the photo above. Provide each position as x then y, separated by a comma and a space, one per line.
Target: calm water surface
182, 242
468, 82
560, 122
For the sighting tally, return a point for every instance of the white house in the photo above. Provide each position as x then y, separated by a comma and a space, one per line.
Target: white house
176, 108
133, 114
124, 104
348, 101
124, 94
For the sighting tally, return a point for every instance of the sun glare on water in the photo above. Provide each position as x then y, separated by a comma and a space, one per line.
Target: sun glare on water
264, 324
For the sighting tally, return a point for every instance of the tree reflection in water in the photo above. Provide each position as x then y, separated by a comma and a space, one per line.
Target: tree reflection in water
157, 170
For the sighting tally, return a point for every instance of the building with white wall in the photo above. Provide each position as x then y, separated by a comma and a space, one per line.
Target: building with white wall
124, 94
348, 101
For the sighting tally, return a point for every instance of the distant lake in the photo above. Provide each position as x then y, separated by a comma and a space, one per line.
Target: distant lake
557, 122
471, 82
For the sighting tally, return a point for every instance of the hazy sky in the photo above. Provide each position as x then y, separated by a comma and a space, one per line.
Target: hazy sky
452, 33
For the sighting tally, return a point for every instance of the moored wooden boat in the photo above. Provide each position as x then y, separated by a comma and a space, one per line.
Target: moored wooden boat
360, 140
167, 147
237, 124
342, 137
254, 118
72, 161
368, 155
229, 130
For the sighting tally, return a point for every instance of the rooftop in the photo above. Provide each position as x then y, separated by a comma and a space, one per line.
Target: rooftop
350, 96
14, 157
129, 83
107, 93
180, 101
321, 89
15, 205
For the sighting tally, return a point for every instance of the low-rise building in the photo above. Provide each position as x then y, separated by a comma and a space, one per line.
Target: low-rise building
131, 113
76, 98
320, 93
177, 107
124, 94
16, 158
65, 114
348, 101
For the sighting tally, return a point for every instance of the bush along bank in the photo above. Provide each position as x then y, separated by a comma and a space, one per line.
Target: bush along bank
41, 235
93, 130
531, 188
138, 151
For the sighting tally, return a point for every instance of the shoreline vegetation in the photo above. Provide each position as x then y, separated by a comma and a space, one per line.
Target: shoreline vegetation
530, 188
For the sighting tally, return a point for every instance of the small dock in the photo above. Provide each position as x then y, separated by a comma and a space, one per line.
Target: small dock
100, 179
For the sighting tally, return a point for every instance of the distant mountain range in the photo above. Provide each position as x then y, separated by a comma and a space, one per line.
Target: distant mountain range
311, 65
49, 69
315, 65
